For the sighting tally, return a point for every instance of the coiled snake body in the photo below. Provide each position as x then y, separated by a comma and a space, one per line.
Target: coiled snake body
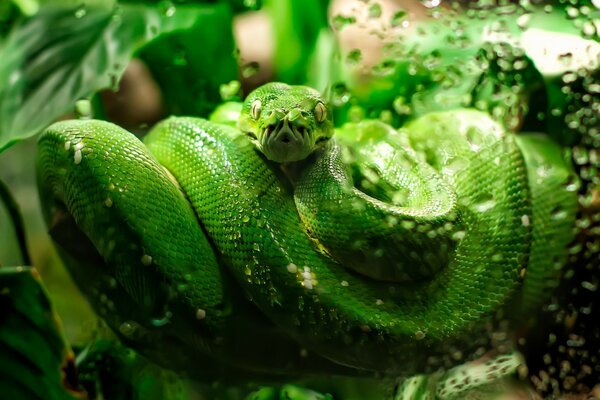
380, 250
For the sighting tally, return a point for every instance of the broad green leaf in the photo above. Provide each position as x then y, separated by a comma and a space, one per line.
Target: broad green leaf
36, 361
64, 54
191, 65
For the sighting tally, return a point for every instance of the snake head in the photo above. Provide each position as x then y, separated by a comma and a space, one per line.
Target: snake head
286, 123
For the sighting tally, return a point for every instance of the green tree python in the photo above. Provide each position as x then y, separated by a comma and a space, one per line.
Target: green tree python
371, 250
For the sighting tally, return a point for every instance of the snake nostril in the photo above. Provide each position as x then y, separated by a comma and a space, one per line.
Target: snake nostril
285, 139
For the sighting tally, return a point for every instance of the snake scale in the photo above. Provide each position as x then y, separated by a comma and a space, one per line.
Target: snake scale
368, 250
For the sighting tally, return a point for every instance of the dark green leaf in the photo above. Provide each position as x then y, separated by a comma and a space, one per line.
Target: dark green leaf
191, 65
64, 54
36, 361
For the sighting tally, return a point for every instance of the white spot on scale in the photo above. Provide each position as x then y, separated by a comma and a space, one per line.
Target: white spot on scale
78, 146
379, 302
77, 157
146, 259
308, 278
67, 145
344, 283
108, 202
525, 220
292, 268
200, 314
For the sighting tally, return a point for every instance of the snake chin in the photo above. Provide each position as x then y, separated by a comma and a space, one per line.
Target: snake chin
285, 142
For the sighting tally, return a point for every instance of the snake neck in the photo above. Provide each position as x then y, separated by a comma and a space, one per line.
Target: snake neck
293, 172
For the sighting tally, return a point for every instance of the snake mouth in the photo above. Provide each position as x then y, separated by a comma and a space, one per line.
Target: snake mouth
286, 142
286, 133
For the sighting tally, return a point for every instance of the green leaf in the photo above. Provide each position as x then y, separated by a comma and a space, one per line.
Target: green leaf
36, 361
64, 54
190, 66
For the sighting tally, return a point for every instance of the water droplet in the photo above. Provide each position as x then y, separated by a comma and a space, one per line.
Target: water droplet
230, 91
128, 328
592, 287
340, 94
420, 335
400, 106
431, 3
572, 12
573, 183
354, 57
455, 164
375, 10
167, 8
146, 259
292, 268
497, 257
356, 113
523, 21
158, 322
81, 11
484, 202
408, 225
391, 221
385, 68
340, 21
458, 235
399, 18
588, 29
180, 58
559, 213
250, 69
83, 109
77, 156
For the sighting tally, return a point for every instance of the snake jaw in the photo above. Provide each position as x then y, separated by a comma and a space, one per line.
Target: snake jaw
286, 141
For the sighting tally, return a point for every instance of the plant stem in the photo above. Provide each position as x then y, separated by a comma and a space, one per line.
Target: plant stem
17, 220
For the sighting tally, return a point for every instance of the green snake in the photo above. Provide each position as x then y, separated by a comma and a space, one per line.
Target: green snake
365, 250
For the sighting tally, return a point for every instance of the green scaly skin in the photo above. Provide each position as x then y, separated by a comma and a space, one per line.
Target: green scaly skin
380, 250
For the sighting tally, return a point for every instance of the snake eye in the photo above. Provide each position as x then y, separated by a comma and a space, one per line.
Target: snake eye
320, 112
255, 109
